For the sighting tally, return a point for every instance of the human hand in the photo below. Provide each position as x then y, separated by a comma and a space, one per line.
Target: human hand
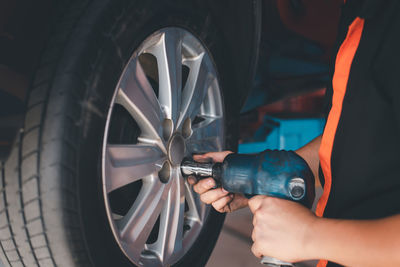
282, 229
220, 199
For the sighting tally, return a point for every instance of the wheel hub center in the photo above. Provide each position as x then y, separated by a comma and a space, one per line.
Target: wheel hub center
176, 149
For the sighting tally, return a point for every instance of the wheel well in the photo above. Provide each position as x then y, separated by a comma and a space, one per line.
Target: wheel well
25, 26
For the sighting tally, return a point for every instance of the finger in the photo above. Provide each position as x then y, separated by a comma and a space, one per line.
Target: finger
221, 203
255, 202
191, 180
208, 155
237, 202
216, 156
254, 221
202, 158
256, 251
253, 236
213, 195
199, 156
204, 185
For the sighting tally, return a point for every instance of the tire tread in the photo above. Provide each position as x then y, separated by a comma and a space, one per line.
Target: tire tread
23, 236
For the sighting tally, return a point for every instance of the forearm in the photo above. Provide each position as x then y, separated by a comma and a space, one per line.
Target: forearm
309, 153
356, 243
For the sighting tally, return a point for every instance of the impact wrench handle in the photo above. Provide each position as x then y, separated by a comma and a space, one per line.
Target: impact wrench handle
277, 173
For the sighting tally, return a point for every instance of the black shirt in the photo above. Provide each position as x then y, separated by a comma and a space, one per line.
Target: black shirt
365, 155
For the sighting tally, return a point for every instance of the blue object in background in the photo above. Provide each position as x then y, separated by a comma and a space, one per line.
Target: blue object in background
288, 134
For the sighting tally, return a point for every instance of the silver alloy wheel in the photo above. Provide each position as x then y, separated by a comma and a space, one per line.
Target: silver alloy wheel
174, 123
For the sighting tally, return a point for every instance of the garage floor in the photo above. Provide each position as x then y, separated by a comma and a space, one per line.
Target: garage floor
233, 246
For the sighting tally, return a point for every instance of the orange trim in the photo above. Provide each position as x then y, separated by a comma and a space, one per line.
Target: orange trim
343, 63
322, 263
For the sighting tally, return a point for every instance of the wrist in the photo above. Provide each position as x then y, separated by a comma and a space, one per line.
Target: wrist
313, 245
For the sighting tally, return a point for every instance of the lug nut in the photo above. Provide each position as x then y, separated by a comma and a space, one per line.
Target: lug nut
168, 128
165, 173
187, 128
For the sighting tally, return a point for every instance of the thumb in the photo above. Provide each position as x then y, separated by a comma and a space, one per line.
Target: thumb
219, 156
203, 158
255, 202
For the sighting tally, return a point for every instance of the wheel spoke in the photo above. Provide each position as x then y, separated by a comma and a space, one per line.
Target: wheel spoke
153, 261
128, 163
196, 214
196, 209
206, 135
169, 243
135, 227
168, 52
137, 96
196, 86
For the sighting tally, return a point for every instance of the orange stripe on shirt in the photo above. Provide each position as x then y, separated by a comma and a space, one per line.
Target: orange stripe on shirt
343, 63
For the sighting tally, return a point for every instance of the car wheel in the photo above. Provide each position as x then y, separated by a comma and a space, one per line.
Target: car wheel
124, 90
153, 212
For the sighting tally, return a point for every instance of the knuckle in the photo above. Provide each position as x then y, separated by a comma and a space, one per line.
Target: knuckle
202, 184
217, 207
254, 248
204, 199
220, 210
221, 194
251, 202
226, 209
258, 215
205, 184
220, 207
220, 204
191, 180
253, 236
196, 188
265, 204
210, 183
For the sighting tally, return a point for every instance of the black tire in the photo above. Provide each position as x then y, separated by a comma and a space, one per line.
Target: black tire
51, 204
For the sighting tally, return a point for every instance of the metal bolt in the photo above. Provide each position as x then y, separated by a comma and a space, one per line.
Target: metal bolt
165, 173
168, 128
297, 188
187, 128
